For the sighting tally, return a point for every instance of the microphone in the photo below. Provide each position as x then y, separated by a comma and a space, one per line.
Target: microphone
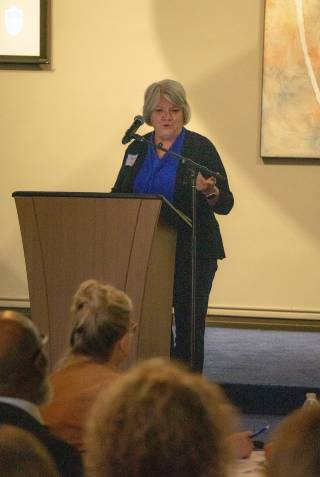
137, 122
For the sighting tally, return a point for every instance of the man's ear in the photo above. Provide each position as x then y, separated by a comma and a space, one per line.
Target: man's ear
41, 362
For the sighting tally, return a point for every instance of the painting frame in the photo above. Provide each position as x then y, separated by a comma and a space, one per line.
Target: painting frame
290, 108
20, 60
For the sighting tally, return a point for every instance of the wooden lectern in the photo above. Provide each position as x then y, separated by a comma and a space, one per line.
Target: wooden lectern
119, 239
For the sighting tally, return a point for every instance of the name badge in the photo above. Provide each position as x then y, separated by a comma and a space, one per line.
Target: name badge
131, 159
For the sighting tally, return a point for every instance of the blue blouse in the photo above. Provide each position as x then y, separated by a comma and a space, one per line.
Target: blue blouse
158, 175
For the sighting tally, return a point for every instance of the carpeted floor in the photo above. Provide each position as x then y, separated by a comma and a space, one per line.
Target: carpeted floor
285, 358
263, 372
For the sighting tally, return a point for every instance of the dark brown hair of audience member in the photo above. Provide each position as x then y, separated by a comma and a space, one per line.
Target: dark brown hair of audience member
101, 317
295, 449
159, 420
22, 454
23, 363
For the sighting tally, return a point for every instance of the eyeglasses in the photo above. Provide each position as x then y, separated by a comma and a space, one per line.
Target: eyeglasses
42, 342
44, 339
132, 327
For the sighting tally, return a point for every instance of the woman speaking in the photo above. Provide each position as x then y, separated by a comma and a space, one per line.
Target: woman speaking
148, 170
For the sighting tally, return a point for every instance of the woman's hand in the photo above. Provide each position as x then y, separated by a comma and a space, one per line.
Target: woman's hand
242, 444
207, 187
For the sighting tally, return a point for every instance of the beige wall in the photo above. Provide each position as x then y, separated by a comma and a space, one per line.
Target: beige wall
61, 130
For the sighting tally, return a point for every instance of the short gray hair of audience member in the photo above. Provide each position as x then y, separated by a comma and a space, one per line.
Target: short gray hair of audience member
23, 362
159, 420
101, 317
295, 448
22, 454
173, 91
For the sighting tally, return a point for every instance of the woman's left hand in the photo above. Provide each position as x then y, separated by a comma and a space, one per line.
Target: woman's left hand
206, 186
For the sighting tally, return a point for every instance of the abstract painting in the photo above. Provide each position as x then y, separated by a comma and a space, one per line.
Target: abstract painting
290, 125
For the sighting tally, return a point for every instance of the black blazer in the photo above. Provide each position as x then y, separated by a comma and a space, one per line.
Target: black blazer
201, 150
66, 458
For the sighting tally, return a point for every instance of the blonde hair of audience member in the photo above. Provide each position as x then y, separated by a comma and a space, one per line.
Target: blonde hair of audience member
22, 454
99, 345
159, 420
295, 449
23, 363
101, 322
172, 91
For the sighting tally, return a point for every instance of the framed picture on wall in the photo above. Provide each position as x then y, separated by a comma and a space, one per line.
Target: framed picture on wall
24, 32
290, 126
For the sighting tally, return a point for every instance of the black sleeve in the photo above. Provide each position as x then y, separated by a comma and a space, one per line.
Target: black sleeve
209, 156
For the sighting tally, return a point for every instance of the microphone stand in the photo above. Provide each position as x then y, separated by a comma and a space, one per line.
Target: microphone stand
193, 165
194, 168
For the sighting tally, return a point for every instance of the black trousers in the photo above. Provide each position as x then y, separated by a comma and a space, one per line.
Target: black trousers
206, 269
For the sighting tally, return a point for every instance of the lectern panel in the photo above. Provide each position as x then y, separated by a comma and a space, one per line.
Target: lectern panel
119, 240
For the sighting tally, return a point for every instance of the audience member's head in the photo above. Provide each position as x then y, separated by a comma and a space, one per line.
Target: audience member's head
22, 454
159, 420
23, 363
101, 320
295, 449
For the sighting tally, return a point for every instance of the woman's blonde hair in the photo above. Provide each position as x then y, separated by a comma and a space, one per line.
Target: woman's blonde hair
101, 316
159, 420
295, 449
172, 91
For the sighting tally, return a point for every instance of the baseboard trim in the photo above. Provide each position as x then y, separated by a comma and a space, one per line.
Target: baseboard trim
263, 323
9, 303
308, 320
265, 312
264, 318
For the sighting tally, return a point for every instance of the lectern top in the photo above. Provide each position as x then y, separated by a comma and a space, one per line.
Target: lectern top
168, 207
